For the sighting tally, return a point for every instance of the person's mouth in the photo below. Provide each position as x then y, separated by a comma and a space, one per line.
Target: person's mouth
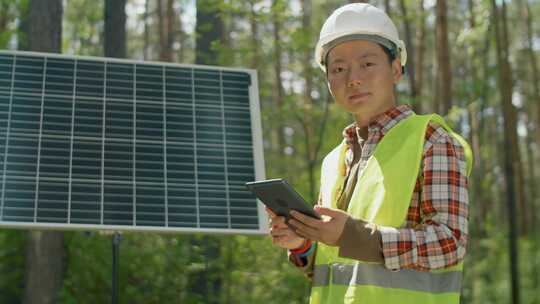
357, 96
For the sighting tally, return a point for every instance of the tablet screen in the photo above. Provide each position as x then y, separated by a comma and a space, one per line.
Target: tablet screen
280, 197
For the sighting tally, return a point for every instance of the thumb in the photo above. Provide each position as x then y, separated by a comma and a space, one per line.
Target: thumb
328, 211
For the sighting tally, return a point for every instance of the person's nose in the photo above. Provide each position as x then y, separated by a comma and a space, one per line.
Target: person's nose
356, 77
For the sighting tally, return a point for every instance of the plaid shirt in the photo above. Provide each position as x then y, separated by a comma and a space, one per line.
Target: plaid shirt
434, 234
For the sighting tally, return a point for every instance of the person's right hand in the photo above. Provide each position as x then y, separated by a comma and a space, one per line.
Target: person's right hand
282, 235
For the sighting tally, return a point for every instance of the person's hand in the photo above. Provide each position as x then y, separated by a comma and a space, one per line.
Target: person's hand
327, 231
282, 234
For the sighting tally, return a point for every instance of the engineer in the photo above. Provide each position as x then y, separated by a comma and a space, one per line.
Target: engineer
393, 193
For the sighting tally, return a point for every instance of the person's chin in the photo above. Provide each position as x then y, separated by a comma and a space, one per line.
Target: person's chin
357, 105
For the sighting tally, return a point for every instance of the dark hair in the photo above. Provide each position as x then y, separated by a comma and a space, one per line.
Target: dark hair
391, 55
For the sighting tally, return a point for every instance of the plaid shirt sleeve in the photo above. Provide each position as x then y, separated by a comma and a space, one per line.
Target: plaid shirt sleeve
435, 233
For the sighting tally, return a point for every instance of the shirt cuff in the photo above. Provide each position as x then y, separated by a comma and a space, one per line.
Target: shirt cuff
391, 238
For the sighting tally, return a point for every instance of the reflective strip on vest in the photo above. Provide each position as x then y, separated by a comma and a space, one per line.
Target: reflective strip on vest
377, 275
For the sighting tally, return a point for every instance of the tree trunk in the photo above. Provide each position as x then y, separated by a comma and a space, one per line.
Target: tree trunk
307, 115
278, 95
419, 67
410, 51
444, 76
146, 47
531, 170
254, 27
475, 132
530, 63
168, 52
22, 31
4, 17
45, 252
388, 8
181, 36
313, 132
165, 24
512, 118
114, 45
512, 160
115, 28
45, 30
209, 29
207, 283
533, 64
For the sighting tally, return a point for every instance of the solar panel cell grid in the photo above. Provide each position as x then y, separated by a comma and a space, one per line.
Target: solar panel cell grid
101, 143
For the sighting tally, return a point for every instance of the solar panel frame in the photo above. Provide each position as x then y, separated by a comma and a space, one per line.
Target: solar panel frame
55, 182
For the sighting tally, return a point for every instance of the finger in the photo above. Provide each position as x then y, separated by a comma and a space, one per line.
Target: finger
305, 235
278, 220
281, 229
284, 236
303, 228
283, 241
328, 211
270, 212
305, 219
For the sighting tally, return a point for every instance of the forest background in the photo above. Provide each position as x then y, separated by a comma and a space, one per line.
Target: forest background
473, 61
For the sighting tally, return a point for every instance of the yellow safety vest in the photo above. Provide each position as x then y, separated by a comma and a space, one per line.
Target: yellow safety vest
382, 196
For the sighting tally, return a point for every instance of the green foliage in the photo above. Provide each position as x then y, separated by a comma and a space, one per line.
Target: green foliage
11, 265
83, 27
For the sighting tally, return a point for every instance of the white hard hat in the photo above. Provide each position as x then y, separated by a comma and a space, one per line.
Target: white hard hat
358, 21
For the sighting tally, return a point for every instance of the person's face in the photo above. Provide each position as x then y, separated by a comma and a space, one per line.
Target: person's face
361, 79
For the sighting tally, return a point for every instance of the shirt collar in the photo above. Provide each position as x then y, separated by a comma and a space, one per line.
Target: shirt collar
381, 123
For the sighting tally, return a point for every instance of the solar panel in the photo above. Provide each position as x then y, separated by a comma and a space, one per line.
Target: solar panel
101, 143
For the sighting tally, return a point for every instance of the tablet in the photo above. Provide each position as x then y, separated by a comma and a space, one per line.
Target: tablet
280, 197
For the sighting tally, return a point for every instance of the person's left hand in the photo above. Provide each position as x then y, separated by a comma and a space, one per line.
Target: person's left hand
327, 231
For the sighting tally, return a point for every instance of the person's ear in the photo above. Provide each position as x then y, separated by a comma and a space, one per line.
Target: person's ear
396, 70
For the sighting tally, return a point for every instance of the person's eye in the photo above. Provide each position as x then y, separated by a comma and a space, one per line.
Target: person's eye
337, 70
369, 64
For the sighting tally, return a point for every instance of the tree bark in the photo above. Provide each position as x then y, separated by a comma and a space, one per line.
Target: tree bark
278, 94
511, 112
165, 28
167, 34
533, 64
168, 52
505, 83
530, 63
22, 30
45, 30
45, 252
444, 76
115, 28
181, 36
476, 128
388, 8
410, 51
254, 27
307, 115
146, 46
419, 67
4, 10
209, 29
